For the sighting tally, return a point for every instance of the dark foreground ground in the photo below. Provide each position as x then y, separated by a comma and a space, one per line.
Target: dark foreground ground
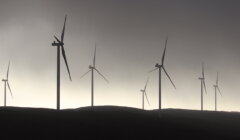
111, 122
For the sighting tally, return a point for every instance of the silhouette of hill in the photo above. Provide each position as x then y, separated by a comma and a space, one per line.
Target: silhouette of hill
112, 122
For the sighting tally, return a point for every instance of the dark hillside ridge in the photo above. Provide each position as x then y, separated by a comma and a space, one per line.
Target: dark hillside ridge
112, 122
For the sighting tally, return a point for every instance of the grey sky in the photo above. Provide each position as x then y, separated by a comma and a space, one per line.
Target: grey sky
130, 37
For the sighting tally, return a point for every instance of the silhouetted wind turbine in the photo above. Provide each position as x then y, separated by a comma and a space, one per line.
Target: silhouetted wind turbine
59, 45
160, 67
202, 79
6, 83
216, 88
92, 68
144, 93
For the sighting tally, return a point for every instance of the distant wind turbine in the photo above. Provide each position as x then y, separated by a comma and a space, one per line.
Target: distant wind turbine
6, 83
160, 67
59, 45
144, 94
216, 88
92, 68
202, 79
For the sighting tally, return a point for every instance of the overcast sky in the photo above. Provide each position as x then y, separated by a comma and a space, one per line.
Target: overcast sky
130, 36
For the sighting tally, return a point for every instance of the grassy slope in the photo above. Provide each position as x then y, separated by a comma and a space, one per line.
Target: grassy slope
117, 123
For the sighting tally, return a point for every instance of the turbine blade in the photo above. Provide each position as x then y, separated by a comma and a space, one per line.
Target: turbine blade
85, 74
204, 86
169, 77
203, 71
163, 57
219, 90
152, 70
94, 58
64, 56
9, 89
146, 97
101, 75
65, 59
8, 70
146, 85
217, 80
57, 40
63, 31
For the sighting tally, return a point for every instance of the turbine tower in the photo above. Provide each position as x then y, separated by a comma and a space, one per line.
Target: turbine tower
202, 79
6, 83
216, 89
92, 68
160, 68
144, 93
60, 45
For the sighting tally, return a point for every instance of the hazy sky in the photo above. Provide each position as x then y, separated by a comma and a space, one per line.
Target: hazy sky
130, 36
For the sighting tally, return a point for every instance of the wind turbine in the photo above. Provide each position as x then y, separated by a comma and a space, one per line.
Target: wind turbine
144, 93
202, 79
6, 83
92, 68
59, 45
160, 67
216, 88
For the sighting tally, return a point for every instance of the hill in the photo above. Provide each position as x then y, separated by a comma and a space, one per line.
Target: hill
112, 122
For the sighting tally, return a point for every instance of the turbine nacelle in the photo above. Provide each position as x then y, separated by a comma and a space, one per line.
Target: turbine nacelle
4, 80
158, 66
91, 67
57, 44
200, 78
142, 90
